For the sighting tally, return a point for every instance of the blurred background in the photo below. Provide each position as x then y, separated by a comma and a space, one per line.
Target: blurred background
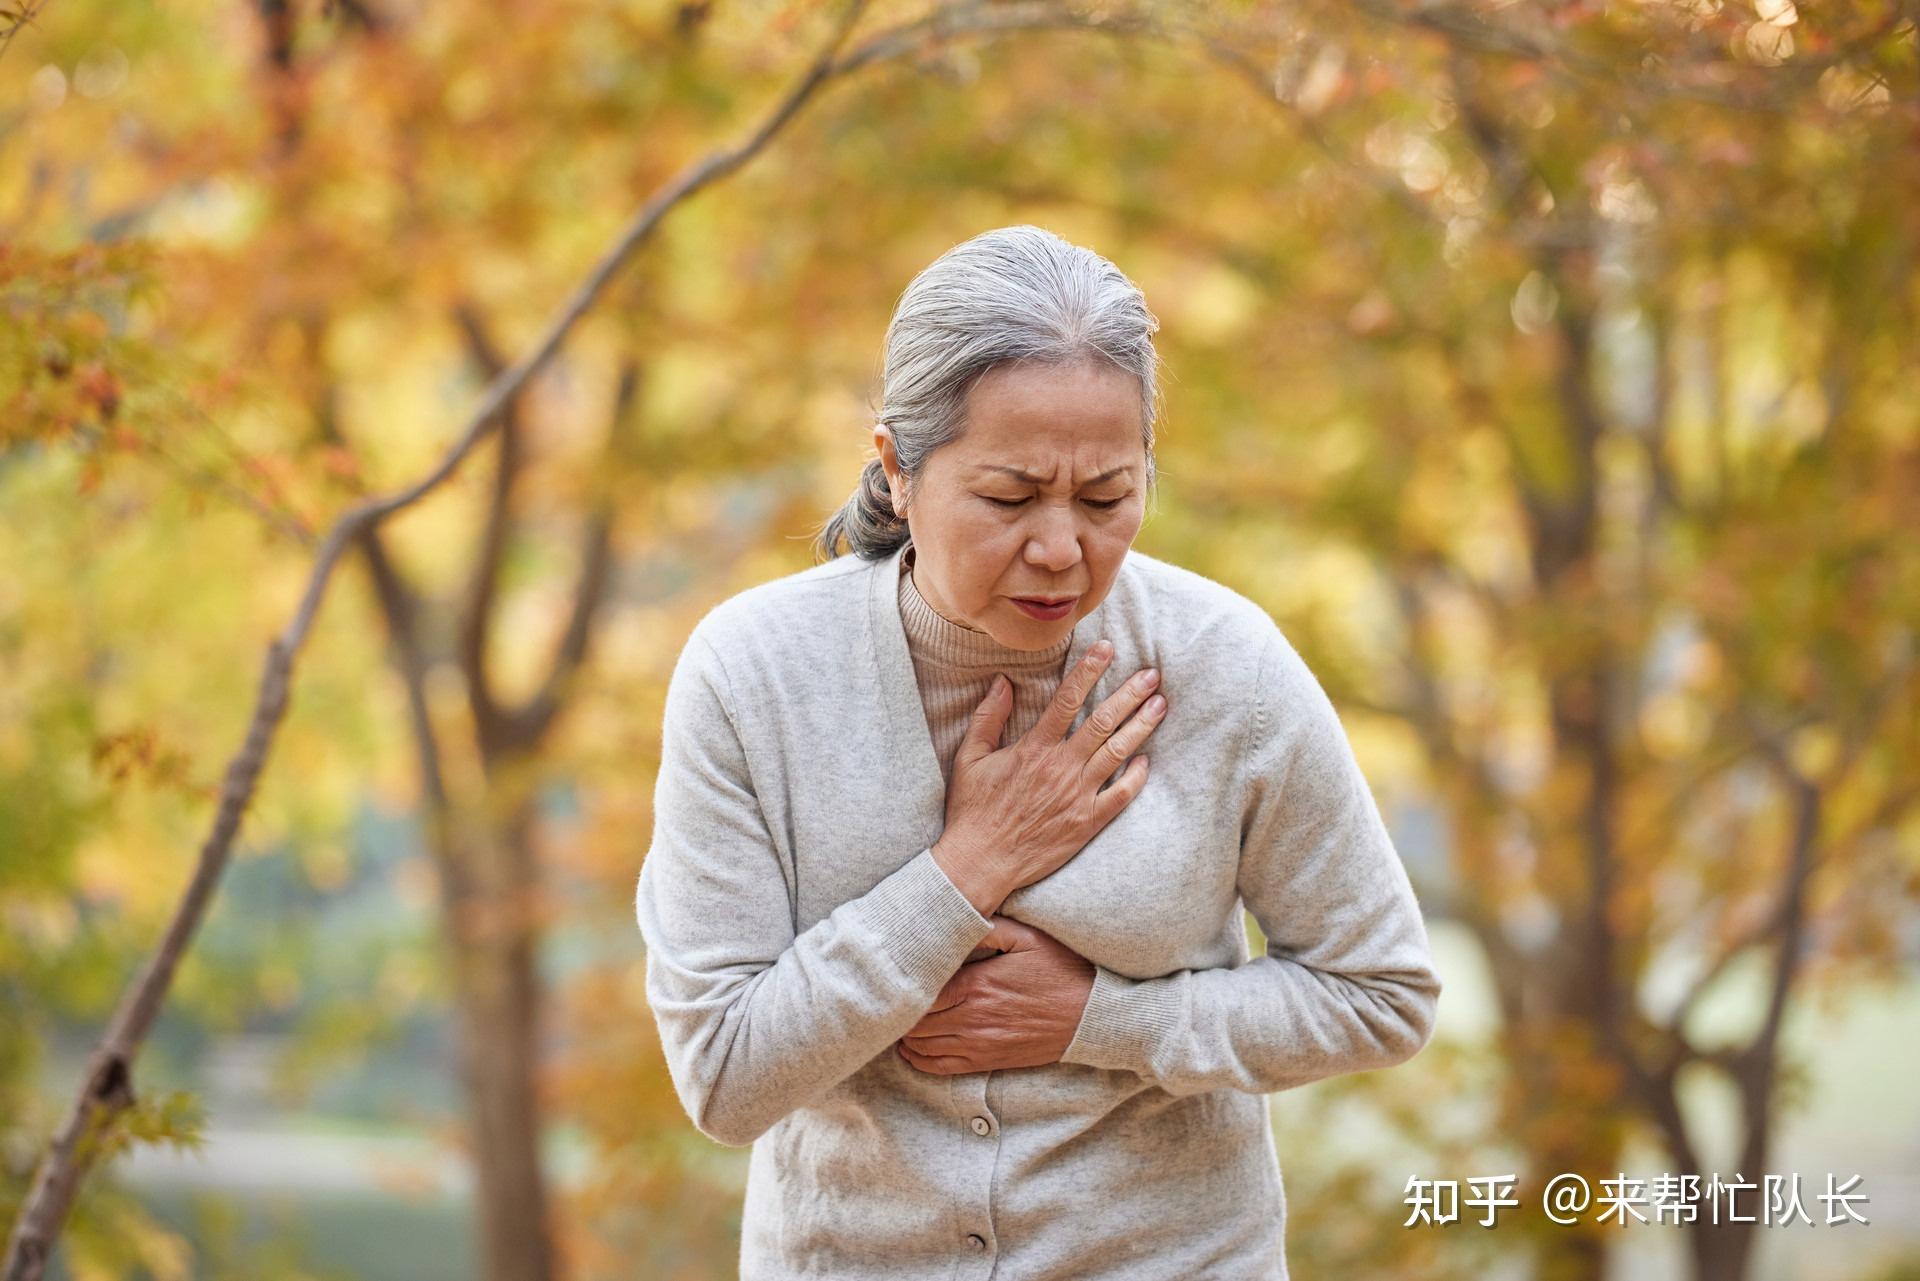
1546, 370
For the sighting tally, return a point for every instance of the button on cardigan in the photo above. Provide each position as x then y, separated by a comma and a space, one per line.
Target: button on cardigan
797, 925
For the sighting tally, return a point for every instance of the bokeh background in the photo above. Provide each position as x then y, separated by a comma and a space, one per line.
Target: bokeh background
1547, 370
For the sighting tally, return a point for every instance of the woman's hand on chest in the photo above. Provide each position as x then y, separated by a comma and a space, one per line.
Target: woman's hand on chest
1018, 1007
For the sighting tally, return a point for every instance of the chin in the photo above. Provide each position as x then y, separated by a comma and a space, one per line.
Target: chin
1034, 633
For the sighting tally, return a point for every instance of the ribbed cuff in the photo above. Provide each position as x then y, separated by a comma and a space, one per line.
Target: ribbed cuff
925, 924
1125, 1020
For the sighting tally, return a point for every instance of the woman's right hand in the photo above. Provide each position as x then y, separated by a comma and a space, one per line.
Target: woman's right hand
1015, 814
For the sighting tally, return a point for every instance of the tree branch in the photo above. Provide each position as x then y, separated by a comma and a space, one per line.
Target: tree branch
1771, 90
526, 725
477, 612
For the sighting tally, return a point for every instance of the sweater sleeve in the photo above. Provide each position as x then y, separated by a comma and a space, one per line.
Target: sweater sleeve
1347, 981
754, 1021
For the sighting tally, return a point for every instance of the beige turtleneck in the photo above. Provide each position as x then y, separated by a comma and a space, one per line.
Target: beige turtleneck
955, 666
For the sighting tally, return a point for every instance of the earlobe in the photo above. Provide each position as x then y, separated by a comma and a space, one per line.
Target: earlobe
889, 467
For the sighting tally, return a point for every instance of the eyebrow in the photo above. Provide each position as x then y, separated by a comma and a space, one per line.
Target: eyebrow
1017, 474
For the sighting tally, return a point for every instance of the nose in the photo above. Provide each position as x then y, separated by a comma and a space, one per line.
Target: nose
1055, 544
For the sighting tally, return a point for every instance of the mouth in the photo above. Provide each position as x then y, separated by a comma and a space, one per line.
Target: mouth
1045, 607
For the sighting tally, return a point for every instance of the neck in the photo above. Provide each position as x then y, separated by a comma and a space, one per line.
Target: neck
935, 638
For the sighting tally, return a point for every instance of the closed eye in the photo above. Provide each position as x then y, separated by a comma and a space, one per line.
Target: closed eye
1103, 504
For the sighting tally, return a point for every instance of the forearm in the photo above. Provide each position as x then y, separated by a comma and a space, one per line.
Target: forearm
1347, 981
1269, 1025
746, 1047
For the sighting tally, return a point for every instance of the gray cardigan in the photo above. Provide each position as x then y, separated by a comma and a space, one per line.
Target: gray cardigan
796, 925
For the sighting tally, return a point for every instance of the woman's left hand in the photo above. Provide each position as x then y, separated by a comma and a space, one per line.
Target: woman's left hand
1017, 1008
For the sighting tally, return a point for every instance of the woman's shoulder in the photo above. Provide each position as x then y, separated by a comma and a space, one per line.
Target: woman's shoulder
1190, 613
1213, 644
1235, 651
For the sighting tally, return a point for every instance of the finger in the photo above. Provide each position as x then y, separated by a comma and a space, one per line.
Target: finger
1009, 935
945, 1065
1113, 752
1114, 713
952, 993
1073, 691
1111, 800
943, 1016
988, 722
936, 1046
943, 1023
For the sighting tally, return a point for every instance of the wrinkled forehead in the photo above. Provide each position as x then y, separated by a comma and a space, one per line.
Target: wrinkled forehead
1064, 471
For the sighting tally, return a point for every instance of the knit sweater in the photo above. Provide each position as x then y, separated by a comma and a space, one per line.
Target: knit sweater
954, 667
797, 925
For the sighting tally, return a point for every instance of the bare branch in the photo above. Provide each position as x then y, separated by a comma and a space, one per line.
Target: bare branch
1759, 1063
526, 725
1773, 744
27, 12
477, 613
1771, 90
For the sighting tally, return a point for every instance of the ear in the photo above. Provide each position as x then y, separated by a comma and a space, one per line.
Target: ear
890, 463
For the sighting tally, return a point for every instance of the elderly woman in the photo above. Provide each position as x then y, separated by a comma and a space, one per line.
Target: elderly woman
924, 928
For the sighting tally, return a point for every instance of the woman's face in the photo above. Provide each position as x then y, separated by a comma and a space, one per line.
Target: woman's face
1040, 497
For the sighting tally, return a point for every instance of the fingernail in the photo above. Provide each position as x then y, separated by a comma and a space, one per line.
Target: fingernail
1103, 649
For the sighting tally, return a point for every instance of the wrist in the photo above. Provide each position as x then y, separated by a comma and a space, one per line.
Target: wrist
984, 885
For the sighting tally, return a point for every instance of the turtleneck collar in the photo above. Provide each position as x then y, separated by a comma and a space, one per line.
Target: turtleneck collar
932, 638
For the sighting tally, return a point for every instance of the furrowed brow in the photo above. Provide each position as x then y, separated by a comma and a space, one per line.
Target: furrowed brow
1018, 474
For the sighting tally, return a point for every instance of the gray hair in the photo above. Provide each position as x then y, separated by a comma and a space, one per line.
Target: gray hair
1008, 295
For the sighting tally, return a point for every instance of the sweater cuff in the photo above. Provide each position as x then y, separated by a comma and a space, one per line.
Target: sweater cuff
925, 924
1125, 1021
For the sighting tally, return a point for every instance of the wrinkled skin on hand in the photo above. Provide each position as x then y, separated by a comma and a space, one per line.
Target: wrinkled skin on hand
1016, 1002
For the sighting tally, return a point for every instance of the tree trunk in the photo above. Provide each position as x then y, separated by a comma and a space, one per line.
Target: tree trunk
497, 997
1564, 1118
1721, 1251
